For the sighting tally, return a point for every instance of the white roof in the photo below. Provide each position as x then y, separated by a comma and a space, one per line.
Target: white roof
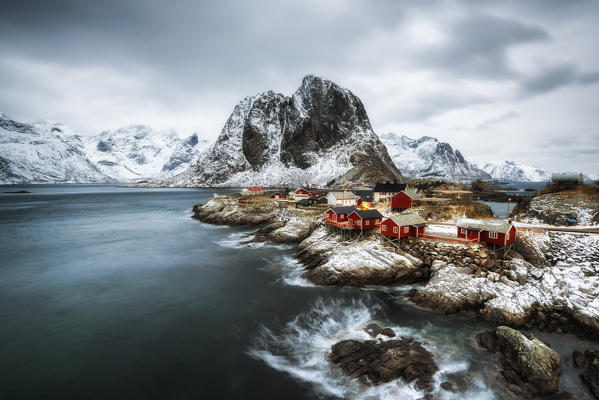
407, 219
413, 193
343, 195
490, 225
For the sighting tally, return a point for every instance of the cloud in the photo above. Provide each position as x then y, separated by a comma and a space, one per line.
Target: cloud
555, 77
470, 73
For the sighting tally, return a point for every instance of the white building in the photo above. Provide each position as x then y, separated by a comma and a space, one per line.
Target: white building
342, 198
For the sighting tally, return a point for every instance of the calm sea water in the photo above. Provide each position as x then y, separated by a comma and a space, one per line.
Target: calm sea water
108, 292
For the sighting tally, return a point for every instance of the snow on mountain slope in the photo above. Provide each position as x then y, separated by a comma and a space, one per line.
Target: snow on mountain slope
515, 172
43, 152
138, 152
428, 158
317, 134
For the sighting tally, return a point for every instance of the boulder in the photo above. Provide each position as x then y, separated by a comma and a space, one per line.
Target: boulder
526, 361
590, 376
376, 362
374, 329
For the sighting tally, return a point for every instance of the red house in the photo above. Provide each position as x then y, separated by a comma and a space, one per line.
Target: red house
403, 200
403, 226
302, 193
279, 195
338, 214
364, 219
497, 232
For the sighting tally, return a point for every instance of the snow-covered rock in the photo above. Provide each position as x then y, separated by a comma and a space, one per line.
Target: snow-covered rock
515, 172
332, 261
138, 152
44, 152
317, 134
428, 158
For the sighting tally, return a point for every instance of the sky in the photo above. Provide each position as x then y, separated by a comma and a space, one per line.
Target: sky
516, 80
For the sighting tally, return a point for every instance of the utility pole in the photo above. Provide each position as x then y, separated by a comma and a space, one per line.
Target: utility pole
508, 206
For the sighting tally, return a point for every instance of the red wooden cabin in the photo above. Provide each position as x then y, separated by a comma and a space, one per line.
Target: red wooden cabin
497, 232
364, 219
338, 214
302, 193
403, 226
404, 200
279, 195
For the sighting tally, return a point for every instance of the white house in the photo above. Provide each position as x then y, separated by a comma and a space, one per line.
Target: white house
342, 198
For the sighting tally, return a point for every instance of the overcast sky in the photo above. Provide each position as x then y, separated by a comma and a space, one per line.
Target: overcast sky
514, 80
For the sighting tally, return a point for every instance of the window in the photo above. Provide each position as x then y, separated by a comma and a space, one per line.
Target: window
367, 222
406, 229
493, 235
359, 222
463, 231
395, 230
384, 227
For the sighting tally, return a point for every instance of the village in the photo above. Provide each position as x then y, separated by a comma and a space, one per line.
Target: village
391, 210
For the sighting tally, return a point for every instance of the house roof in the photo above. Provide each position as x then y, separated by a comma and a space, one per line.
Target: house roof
316, 197
369, 214
389, 187
407, 219
366, 195
489, 225
302, 201
343, 195
413, 193
343, 210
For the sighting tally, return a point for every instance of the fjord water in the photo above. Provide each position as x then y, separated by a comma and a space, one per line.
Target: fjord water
109, 292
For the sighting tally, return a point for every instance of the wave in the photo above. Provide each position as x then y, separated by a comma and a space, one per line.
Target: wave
240, 240
301, 349
289, 270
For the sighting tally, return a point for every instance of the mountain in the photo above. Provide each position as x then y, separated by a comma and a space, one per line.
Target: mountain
428, 158
318, 134
138, 152
515, 172
44, 152
49, 152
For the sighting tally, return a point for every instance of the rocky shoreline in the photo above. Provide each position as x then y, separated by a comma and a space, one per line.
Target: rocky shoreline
529, 286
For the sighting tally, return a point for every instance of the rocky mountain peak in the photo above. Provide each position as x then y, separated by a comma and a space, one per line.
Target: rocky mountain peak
271, 138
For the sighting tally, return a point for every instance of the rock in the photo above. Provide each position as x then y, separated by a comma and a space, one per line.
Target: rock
493, 277
293, 231
375, 362
527, 362
449, 386
578, 358
487, 340
590, 375
374, 329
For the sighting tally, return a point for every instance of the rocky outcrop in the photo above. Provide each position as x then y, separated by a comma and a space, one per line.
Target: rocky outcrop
276, 225
228, 212
527, 362
589, 361
375, 362
554, 208
510, 290
331, 261
316, 135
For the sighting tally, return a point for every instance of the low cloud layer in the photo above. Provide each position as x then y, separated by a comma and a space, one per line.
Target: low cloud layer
498, 80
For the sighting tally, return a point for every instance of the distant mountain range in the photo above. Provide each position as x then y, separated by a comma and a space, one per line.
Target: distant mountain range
320, 135
428, 158
46, 152
515, 172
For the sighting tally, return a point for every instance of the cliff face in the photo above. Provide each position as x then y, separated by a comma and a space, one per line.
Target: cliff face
314, 136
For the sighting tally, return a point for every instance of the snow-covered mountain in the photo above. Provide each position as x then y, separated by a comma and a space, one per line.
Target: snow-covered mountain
49, 152
44, 152
428, 158
515, 172
138, 152
318, 134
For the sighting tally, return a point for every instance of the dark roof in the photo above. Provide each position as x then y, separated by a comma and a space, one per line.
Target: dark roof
302, 201
343, 210
369, 214
366, 195
390, 187
316, 197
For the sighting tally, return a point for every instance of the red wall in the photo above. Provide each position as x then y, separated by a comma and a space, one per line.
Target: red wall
401, 200
353, 217
390, 224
